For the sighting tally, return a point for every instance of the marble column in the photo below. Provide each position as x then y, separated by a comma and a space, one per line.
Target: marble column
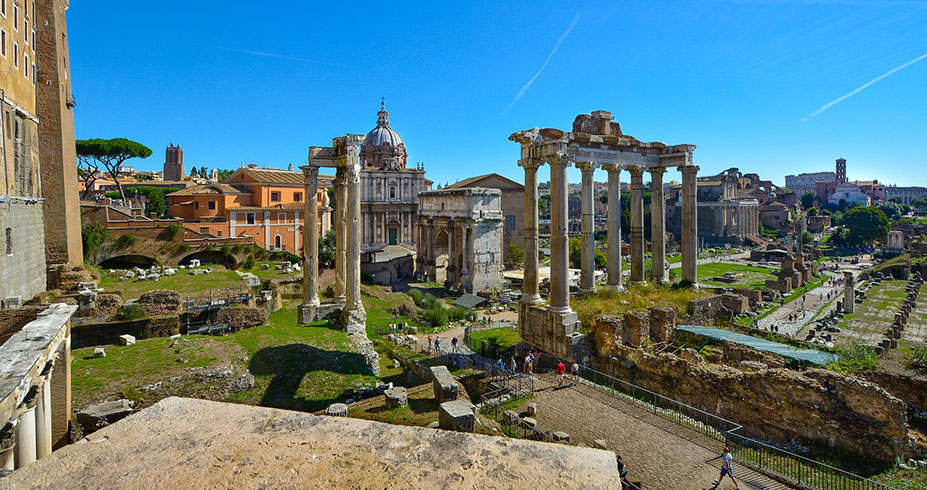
614, 224
530, 292
637, 223
311, 237
341, 197
352, 249
559, 239
24, 433
657, 225
43, 417
451, 267
587, 256
849, 293
432, 257
689, 223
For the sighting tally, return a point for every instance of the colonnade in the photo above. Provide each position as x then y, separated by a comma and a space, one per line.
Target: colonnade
344, 157
559, 246
734, 218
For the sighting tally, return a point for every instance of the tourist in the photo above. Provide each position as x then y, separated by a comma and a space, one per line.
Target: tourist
501, 364
622, 470
534, 359
727, 468
528, 360
454, 344
514, 365
574, 372
483, 348
437, 345
406, 327
560, 370
430, 341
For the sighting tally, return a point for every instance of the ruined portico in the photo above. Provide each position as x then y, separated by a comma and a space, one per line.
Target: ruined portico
597, 141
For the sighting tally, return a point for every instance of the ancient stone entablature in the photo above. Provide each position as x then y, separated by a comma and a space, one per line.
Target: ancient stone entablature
597, 141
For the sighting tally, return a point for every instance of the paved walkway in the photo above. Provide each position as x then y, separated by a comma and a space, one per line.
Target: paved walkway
659, 453
802, 313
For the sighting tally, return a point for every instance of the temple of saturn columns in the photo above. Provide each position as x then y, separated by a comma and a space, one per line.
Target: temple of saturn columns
344, 156
596, 141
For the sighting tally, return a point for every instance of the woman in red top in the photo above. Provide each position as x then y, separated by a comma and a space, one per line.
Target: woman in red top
560, 370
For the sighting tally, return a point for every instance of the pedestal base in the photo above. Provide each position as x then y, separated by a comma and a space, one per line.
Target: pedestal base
354, 321
313, 313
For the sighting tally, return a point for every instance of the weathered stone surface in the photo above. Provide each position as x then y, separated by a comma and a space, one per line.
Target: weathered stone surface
532, 409
337, 410
103, 414
160, 302
99, 352
636, 328
126, 339
561, 437
457, 415
396, 397
445, 385
298, 450
662, 324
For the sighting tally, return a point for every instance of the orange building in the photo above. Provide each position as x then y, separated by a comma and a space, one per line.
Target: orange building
265, 204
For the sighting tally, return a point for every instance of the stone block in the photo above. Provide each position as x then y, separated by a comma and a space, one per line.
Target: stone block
894, 343
532, 409
529, 422
510, 418
445, 385
662, 324
99, 352
126, 339
636, 329
337, 410
560, 436
457, 415
396, 397
103, 414
600, 444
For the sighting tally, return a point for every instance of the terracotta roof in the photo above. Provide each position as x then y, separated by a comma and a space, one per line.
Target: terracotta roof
290, 206
472, 182
277, 176
211, 188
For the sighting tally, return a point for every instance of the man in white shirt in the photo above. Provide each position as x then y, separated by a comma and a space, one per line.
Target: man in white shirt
727, 468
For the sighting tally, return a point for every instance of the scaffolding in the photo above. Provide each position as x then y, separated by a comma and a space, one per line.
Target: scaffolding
217, 305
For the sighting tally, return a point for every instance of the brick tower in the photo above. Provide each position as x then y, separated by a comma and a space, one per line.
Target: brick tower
841, 171
173, 163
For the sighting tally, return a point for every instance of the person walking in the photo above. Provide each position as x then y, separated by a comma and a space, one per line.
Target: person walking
501, 364
454, 344
430, 341
574, 372
560, 370
514, 364
437, 346
528, 364
727, 469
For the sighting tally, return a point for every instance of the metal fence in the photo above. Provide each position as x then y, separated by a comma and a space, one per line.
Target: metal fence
759, 455
494, 404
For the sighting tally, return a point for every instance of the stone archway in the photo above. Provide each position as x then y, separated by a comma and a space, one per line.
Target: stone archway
127, 262
441, 256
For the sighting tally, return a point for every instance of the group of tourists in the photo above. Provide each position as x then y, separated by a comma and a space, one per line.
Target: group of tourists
399, 328
434, 345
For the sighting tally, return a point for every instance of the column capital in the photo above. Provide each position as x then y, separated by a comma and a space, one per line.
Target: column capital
558, 159
586, 166
352, 173
689, 169
310, 170
613, 167
657, 171
635, 170
530, 163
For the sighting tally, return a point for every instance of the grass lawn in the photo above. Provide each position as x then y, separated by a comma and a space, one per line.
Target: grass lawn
182, 282
271, 272
505, 337
422, 410
297, 368
751, 276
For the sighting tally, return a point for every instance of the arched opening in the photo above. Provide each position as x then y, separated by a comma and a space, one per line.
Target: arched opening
127, 262
441, 258
210, 257
392, 232
278, 242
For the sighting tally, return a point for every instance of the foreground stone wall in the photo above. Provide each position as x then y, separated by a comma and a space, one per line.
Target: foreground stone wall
775, 404
22, 272
554, 333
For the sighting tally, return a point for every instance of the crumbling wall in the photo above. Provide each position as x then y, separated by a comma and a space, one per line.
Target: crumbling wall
775, 404
160, 302
102, 333
911, 390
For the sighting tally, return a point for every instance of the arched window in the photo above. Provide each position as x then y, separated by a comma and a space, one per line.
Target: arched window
277, 242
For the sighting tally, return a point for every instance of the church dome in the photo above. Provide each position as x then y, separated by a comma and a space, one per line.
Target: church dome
383, 147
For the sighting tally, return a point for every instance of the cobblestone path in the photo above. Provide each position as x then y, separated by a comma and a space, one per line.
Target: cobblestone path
659, 453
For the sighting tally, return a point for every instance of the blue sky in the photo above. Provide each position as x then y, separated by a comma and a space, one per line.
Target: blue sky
740, 79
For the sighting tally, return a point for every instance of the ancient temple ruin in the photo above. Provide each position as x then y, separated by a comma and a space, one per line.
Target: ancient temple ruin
596, 141
460, 238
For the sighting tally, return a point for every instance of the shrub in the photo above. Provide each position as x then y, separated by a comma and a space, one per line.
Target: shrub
416, 296
366, 279
185, 247
917, 359
457, 313
248, 264
130, 312
436, 316
430, 302
226, 250
126, 241
93, 236
174, 230
854, 358
237, 249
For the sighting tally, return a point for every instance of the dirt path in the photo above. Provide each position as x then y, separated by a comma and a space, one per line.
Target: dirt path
659, 453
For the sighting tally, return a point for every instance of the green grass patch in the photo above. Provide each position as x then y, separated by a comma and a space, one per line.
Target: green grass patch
183, 282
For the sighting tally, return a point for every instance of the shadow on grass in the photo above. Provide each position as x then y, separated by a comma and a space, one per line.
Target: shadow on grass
287, 365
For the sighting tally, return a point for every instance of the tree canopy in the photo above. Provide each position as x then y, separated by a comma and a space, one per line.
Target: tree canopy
865, 224
807, 199
111, 153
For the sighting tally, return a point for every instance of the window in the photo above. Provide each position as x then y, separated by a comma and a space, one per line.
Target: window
510, 223
9, 241
392, 192
204, 229
2, 41
274, 197
26, 65
249, 218
15, 56
297, 197
281, 218
3, 8
218, 232
15, 18
212, 204
33, 40
196, 205
277, 242
33, 74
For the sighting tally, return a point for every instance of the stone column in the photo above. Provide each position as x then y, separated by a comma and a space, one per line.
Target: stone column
689, 223
559, 239
43, 418
25, 451
354, 317
637, 223
849, 293
530, 292
719, 220
614, 224
432, 270
657, 224
341, 197
451, 267
587, 280
311, 237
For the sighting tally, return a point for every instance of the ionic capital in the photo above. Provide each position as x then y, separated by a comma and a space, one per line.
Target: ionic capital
530, 163
612, 167
559, 159
587, 166
340, 177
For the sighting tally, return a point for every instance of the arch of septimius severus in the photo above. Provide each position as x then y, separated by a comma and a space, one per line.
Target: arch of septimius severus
596, 141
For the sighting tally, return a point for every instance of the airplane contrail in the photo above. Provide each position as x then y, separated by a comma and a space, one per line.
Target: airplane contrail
863, 87
549, 56
275, 55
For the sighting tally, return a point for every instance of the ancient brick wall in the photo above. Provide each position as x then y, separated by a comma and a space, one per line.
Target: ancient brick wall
22, 272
